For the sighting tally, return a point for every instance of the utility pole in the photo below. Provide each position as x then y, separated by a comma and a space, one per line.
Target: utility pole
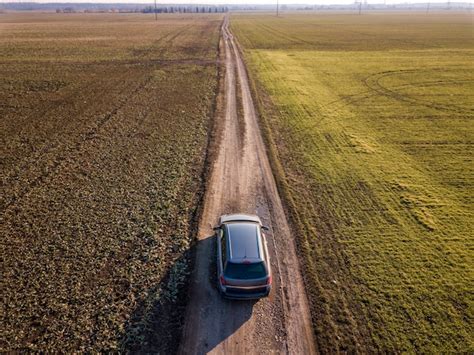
277, 9
156, 14
360, 7
428, 7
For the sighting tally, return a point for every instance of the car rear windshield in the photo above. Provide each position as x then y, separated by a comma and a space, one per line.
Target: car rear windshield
245, 271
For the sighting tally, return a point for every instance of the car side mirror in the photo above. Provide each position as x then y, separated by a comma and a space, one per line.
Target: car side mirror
216, 228
265, 228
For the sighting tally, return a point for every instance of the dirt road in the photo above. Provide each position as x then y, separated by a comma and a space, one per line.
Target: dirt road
241, 181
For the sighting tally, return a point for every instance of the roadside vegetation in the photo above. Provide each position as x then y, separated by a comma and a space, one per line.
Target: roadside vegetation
369, 120
104, 129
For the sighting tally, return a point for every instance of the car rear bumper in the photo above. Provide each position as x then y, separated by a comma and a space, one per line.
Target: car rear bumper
236, 293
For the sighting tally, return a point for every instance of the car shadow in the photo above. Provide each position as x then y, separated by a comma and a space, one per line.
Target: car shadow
216, 317
156, 323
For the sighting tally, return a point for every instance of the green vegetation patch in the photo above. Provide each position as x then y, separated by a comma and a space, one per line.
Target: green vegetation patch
375, 138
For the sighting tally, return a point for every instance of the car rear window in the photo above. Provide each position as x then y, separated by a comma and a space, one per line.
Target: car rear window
245, 271
243, 240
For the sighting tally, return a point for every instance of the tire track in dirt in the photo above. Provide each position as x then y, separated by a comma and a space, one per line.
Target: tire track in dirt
138, 62
89, 135
392, 92
374, 82
364, 95
241, 180
7, 202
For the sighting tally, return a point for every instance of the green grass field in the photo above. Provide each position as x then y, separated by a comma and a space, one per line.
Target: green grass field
370, 119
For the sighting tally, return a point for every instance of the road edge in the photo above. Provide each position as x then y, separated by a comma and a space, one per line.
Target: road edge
281, 183
211, 152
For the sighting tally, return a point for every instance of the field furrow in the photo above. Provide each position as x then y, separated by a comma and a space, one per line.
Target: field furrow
104, 130
369, 119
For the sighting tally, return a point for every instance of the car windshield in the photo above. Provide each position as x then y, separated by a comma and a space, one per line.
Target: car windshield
245, 271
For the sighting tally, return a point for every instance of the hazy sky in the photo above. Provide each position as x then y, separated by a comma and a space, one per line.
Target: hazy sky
241, 2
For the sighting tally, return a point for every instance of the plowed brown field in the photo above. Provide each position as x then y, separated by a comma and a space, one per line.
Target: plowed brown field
103, 130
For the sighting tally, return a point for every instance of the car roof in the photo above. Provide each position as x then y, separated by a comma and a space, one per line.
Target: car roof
241, 217
243, 242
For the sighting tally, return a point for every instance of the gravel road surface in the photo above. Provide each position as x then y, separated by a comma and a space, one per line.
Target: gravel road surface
241, 180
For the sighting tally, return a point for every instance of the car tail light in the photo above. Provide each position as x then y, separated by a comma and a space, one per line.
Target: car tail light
222, 280
269, 280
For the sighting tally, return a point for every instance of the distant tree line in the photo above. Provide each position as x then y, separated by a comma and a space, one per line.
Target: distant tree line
185, 9
67, 10
151, 9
